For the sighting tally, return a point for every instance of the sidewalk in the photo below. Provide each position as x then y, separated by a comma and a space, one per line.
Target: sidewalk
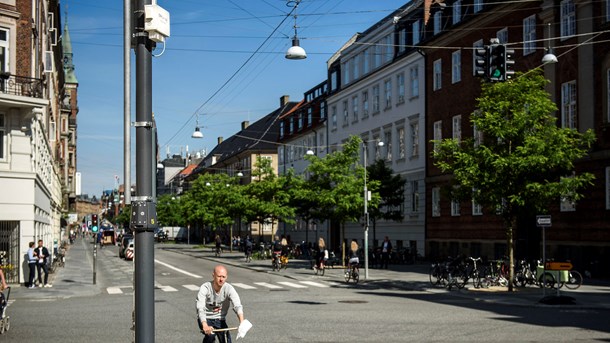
74, 279
593, 294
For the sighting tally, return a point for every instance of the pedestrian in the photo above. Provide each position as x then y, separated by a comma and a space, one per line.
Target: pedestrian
386, 250
213, 301
32, 261
43, 258
3, 284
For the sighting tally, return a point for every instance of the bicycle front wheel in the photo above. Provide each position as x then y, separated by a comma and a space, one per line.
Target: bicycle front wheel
574, 280
347, 274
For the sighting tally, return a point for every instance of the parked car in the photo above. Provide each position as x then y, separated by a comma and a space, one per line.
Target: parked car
124, 244
130, 251
160, 235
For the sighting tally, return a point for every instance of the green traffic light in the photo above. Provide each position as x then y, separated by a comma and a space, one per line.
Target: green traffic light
496, 73
94, 229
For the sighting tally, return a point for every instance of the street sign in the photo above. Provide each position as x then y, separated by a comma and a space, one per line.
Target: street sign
543, 220
558, 266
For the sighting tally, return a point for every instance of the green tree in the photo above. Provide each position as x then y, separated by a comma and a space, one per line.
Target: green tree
523, 160
391, 193
169, 211
336, 183
267, 196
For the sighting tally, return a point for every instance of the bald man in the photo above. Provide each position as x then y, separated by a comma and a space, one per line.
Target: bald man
213, 302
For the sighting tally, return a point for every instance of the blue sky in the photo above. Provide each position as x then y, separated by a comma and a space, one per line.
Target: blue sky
210, 41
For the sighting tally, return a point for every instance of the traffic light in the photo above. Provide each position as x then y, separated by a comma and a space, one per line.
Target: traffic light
509, 63
480, 61
496, 63
94, 223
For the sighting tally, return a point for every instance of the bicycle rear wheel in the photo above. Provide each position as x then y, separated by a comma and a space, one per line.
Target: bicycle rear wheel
347, 274
355, 276
435, 276
574, 280
547, 280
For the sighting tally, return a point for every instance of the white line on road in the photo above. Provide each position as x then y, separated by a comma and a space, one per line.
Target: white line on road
268, 285
311, 283
178, 269
243, 285
167, 289
292, 284
191, 287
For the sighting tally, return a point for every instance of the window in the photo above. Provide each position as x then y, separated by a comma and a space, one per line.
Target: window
477, 209
415, 32
52, 131
400, 82
436, 77
4, 50
477, 135
457, 128
334, 80
356, 67
457, 11
291, 125
568, 19
477, 5
366, 62
309, 116
529, 35
388, 93
438, 17
438, 133
376, 99
2, 136
377, 55
502, 36
333, 116
402, 40
436, 202
281, 129
388, 144
377, 147
355, 101
568, 105
300, 121
345, 113
323, 110
456, 66
455, 208
365, 104
414, 81
414, 137
388, 49
346, 70
414, 196
401, 143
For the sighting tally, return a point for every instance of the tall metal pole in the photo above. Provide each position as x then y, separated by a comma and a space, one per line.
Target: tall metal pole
366, 220
143, 215
127, 30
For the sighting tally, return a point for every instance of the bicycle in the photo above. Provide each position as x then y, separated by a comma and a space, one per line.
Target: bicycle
217, 251
283, 262
574, 280
319, 270
475, 274
275, 262
351, 273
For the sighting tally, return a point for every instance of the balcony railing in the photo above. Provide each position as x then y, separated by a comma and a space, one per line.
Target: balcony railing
20, 85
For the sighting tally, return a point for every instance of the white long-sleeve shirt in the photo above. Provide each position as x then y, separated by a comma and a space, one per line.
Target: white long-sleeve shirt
212, 305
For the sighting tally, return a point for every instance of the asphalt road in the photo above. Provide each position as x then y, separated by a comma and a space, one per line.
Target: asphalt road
291, 306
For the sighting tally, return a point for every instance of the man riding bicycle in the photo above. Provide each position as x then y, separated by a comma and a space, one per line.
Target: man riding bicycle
277, 251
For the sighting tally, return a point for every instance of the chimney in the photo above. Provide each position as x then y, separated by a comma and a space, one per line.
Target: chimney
245, 124
219, 140
284, 100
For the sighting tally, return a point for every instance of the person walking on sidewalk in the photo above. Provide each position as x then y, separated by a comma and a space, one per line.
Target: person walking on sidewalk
32, 261
43, 258
386, 250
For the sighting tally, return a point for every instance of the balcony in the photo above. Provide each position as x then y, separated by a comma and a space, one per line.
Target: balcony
21, 85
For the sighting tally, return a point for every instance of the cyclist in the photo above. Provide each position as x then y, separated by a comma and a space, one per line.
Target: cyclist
322, 256
218, 241
353, 256
277, 251
248, 249
285, 251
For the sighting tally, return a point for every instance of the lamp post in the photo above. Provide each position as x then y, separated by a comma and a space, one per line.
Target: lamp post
366, 213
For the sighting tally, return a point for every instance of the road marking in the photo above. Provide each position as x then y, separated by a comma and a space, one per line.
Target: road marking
335, 284
291, 284
268, 285
243, 285
114, 290
311, 283
191, 287
178, 269
167, 288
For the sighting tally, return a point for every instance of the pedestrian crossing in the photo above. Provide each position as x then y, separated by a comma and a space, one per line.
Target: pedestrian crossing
117, 290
